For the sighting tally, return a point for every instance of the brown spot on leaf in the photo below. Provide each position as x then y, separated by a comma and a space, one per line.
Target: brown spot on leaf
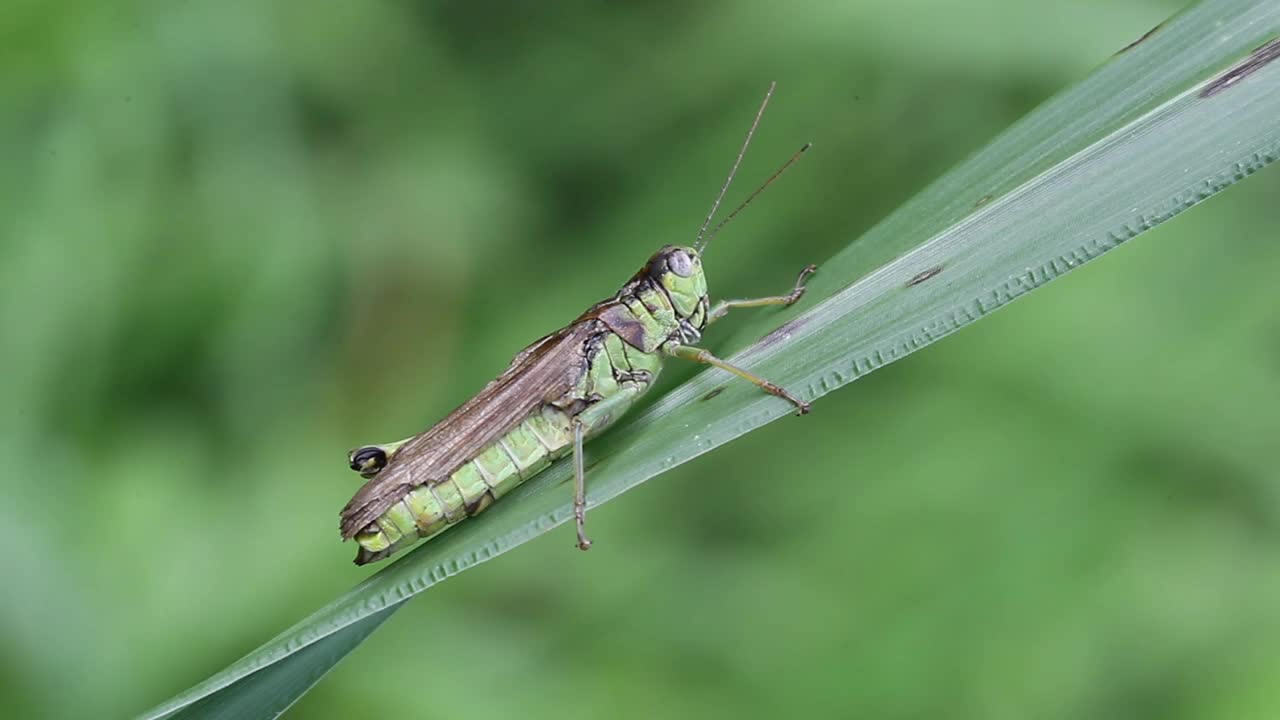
782, 333
713, 393
983, 200
923, 276
1256, 60
1140, 40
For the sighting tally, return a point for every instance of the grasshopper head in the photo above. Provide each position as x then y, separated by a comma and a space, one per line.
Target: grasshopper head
679, 271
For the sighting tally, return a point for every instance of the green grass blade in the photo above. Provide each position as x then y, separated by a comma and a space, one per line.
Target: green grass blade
1170, 121
273, 689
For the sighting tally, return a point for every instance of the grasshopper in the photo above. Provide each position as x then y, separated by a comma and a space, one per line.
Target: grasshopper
556, 394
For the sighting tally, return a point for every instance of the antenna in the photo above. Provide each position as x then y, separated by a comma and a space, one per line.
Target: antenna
752, 196
698, 244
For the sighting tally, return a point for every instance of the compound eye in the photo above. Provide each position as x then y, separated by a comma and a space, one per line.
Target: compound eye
680, 263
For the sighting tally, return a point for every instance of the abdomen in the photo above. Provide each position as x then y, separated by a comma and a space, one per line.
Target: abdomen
617, 373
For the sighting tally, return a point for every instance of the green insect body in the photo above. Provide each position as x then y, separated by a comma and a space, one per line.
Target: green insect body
560, 391
600, 364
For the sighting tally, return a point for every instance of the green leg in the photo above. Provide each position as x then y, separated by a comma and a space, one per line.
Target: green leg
580, 486
599, 414
368, 460
724, 306
699, 355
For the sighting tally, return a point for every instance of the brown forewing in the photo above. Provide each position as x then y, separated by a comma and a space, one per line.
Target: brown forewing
542, 372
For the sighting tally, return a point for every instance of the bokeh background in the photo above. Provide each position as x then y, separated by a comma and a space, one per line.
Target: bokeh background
239, 238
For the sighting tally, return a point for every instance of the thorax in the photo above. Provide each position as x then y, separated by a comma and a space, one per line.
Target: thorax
644, 317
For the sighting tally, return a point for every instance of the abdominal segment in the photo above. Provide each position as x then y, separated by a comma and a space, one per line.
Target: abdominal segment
543, 436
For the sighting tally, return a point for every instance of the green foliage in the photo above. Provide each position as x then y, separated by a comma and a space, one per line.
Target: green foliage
245, 240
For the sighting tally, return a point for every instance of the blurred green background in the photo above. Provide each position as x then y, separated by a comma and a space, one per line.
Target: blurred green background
240, 238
